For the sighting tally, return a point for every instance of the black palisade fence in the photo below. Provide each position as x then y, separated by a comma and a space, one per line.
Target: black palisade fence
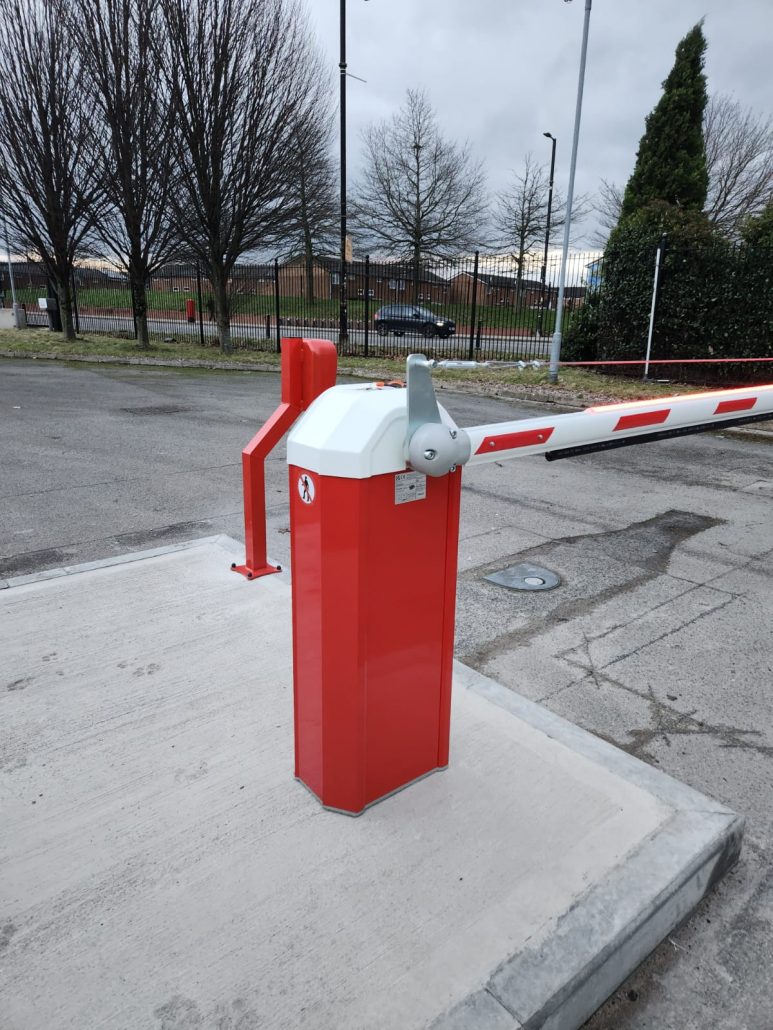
481, 307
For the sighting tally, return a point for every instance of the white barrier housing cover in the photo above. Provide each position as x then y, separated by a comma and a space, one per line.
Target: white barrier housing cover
353, 431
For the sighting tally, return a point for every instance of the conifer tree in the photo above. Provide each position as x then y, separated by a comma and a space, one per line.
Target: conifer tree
671, 160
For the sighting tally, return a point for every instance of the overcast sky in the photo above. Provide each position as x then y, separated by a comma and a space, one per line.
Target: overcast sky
499, 73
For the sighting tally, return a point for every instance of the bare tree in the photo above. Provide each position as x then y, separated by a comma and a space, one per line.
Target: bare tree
313, 223
49, 187
607, 205
522, 212
134, 136
739, 158
420, 195
238, 72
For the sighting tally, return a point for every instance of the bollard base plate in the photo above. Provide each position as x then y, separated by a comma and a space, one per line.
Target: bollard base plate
248, 573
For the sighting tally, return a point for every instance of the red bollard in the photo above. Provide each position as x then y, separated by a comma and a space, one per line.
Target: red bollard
308, 369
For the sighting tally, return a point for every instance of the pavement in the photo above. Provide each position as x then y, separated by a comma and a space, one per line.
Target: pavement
658, 640
162, 868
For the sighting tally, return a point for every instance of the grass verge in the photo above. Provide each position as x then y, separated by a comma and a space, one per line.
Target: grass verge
575, 387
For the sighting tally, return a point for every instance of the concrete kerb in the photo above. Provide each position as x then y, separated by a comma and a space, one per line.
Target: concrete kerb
616, 924
231, 546
611, 927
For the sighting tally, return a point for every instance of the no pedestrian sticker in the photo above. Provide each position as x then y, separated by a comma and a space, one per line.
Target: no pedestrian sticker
306, 488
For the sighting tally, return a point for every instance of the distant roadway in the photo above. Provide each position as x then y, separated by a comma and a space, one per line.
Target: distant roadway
493, 344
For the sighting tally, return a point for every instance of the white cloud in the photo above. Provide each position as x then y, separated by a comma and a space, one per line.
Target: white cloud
501, 72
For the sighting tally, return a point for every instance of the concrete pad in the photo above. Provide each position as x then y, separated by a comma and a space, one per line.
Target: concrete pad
161, 868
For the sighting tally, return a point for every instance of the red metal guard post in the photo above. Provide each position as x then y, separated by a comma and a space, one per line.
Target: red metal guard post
308, 369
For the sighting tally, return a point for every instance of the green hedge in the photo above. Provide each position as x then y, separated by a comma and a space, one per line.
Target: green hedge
714, 298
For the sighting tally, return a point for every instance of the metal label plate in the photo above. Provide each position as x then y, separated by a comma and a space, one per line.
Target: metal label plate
410, 486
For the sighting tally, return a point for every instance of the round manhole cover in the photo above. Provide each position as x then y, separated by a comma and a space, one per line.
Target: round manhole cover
525, 577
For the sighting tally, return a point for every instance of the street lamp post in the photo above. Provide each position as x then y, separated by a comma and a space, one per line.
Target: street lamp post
555, 346
343, 318
547, 232
343, 324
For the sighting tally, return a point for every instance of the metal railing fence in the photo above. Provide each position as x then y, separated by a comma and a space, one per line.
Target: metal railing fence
497, 312
481, 307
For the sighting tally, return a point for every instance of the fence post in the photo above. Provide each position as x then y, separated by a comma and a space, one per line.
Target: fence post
75, 303
655, 284
474, 310
276, 302
367, 302
201, 303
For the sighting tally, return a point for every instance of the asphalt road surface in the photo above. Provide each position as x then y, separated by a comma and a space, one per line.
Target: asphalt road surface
659, 637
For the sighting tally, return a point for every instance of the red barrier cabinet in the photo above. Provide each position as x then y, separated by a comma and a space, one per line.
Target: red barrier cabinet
374, 585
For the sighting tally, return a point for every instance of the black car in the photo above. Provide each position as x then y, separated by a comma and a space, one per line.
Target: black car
410, 318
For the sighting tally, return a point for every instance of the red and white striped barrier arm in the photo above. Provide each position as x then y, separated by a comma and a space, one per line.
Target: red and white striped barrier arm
619, 425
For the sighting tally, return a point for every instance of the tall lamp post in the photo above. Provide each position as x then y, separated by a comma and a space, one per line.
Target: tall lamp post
343, 319
343, 323
555, 346
547, 232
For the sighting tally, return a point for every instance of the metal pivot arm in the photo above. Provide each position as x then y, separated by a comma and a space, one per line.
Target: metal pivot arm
433, 445
620, 425
308, 369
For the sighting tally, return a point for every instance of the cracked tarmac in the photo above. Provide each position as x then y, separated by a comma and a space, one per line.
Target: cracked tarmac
660, 641
659, 638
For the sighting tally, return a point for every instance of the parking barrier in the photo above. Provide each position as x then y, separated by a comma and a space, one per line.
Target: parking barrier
375, 481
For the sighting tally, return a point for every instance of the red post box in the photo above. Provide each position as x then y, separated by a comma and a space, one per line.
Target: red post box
190, 310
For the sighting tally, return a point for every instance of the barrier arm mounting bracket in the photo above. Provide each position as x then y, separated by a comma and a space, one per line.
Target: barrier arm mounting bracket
433, 445
308, 369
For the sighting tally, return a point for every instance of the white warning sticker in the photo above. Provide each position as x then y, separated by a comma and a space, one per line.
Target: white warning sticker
410, 486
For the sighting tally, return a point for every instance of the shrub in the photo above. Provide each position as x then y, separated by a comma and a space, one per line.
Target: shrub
581, 340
